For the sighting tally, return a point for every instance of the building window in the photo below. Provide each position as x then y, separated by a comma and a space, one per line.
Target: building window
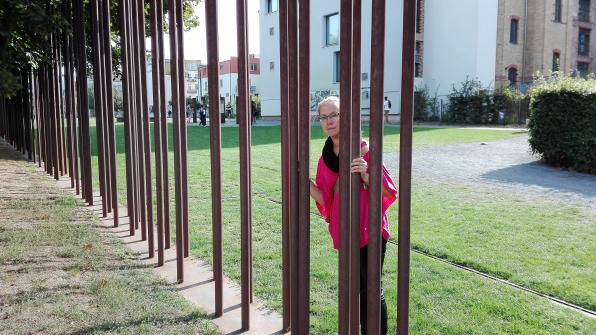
272, 6
558, 10
332, 29
583, 45
583, 68
419, 16
584, 11
514, 31
253, 67
364, 76
556, 61
336, 68
221, 83
271, 65
512, 76
418, 59
271, 31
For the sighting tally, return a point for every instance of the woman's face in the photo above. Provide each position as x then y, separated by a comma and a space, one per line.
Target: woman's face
329, 119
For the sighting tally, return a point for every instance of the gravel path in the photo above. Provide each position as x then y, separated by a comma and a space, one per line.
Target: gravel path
506, 165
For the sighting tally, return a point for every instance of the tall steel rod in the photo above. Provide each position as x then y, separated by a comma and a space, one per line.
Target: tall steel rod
144, 124
110, 129
245, 187
373, 290
215, 135
292, 43
178, 110
356, 183
405, 166
158, 105
84, 103
345, 88
285, 164
304, 119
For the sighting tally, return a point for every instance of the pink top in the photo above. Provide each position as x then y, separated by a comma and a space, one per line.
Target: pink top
326, 180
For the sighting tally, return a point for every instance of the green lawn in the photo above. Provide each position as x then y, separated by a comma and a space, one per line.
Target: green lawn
60, 273
475, 232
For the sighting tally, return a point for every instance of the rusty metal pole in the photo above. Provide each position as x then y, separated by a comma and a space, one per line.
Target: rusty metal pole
164, 131
293, 155
178, 118
405, 166
285, 164
84, 103
304, 119
110, 128
182, 126
98, 95
375, 185
215, 135
146, 140
158, 105
345, 277
356, 183
245, 187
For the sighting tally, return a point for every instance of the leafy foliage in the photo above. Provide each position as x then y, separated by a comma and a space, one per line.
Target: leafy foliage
563, 121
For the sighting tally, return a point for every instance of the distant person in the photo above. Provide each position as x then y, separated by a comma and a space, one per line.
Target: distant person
387, 109
253, 112
202, 116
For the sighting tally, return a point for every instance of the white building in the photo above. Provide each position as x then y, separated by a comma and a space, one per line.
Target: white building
456, 40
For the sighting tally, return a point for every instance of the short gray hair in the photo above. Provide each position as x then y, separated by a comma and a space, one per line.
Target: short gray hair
332, 99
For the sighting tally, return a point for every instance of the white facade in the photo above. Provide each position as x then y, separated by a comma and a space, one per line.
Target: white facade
459, 42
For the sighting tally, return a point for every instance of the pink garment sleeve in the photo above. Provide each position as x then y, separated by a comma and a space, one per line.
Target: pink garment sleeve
388, 185
325, 181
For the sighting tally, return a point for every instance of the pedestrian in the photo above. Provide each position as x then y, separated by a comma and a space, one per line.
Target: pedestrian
387, 109
325, 191
253, 112
202, 116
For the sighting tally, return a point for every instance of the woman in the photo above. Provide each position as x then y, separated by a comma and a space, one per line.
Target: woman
325, 192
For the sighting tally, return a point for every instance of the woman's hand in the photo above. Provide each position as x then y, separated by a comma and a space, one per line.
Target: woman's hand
359, 165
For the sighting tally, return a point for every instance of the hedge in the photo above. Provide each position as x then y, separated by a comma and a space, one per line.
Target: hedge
563, 122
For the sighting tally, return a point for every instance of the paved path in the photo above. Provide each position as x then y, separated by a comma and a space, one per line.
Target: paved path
508, 165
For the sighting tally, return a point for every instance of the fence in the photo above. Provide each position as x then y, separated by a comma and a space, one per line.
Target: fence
49, 121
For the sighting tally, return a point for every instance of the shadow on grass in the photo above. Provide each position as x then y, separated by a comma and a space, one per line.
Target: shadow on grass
115, 326
543, 175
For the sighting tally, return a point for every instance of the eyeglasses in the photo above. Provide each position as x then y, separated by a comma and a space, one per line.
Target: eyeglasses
330, 117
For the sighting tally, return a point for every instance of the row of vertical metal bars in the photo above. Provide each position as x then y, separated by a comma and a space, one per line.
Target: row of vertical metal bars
48, 120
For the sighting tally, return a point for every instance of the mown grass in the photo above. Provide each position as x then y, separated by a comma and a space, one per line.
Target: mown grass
59, 273
445, 300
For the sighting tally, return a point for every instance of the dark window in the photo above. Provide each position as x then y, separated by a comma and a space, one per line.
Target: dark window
513, 32
419, 16
271, 65
253, 67
418, 59
556, 61
271, 31
512, 76
583, 68
336, 68
558, 9
584, 11
583, 45
332, 29
272, 6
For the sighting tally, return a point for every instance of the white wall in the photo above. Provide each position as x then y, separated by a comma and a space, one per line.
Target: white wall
269, 79
459, 41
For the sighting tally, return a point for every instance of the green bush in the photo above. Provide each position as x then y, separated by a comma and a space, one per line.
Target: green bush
426, 107
472, 103
563, 121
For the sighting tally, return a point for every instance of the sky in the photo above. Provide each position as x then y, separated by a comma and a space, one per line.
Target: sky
195, 39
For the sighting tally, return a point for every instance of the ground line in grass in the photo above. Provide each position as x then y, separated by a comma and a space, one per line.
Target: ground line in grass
580, 309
